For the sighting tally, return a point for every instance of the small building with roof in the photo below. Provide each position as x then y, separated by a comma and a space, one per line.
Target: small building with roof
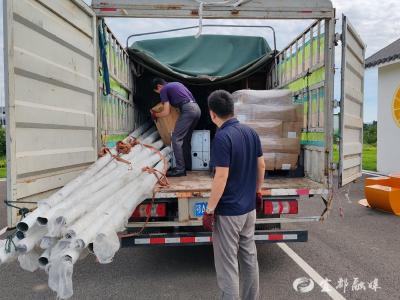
387, 60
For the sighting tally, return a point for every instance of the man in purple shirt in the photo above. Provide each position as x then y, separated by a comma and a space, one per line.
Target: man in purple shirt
177, 95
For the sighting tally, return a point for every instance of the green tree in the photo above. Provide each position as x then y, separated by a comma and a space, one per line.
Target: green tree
370, 133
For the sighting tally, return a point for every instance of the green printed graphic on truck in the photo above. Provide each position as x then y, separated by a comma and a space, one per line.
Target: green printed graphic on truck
289, 63
115, 108
301, 87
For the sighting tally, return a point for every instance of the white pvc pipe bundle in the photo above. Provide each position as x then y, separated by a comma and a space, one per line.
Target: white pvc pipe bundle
90, 209
113, 170
57, 197
124, 191
44, 258
27, 243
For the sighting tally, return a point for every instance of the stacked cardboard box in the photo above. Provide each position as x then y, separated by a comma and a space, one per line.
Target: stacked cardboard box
166, 125
277, 120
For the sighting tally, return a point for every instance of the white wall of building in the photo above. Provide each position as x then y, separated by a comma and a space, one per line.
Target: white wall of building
388, 155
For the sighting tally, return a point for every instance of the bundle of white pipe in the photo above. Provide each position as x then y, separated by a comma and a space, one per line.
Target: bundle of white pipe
113, 170
124, 200
67, 251
91, 209
73, 185
124, 191
67, 211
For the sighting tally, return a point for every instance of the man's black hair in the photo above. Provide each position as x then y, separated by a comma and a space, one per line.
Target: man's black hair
221, 102
157, 81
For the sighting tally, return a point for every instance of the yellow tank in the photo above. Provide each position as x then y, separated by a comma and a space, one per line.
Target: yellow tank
395, 180
377, 180
383, 193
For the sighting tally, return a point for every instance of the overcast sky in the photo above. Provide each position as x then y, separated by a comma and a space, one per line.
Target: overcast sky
378, 23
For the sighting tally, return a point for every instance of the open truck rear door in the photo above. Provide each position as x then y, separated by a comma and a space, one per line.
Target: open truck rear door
351, 104
51, 96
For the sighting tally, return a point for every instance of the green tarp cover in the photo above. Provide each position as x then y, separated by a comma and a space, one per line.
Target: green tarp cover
203, 60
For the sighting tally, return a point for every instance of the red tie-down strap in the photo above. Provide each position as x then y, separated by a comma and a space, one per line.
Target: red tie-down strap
162, 181
122, 148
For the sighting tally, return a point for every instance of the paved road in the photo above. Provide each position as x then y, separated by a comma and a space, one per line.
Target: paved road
362, 244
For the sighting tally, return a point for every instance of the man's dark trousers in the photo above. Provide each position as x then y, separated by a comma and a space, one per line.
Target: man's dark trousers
182, 135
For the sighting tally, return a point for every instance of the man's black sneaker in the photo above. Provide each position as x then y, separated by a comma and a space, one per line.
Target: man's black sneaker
176, 173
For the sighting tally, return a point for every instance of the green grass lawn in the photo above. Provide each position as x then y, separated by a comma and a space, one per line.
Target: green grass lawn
369, 156
3, 167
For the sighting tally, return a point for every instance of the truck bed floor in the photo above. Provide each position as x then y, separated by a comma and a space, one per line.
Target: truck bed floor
200, 181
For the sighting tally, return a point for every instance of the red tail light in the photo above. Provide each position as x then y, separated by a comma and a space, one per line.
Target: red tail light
155, 210
281, 207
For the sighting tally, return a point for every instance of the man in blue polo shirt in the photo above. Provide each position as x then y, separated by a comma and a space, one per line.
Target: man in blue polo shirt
238, 160
177, 95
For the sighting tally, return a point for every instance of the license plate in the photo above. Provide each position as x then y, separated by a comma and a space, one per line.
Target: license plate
199, 208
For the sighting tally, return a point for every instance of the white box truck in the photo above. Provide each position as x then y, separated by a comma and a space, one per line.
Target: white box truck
57, 112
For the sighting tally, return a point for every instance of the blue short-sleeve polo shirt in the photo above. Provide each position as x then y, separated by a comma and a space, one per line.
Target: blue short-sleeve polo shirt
237, 147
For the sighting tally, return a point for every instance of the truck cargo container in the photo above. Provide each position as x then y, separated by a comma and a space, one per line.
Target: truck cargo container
58, 114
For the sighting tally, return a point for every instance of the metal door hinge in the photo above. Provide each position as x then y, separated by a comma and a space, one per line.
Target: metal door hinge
338, 37
336, 103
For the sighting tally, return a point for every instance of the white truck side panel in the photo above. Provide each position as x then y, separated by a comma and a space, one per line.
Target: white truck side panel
51, 94
351, 104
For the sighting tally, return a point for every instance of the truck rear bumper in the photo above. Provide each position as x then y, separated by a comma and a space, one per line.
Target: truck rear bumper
204, 238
